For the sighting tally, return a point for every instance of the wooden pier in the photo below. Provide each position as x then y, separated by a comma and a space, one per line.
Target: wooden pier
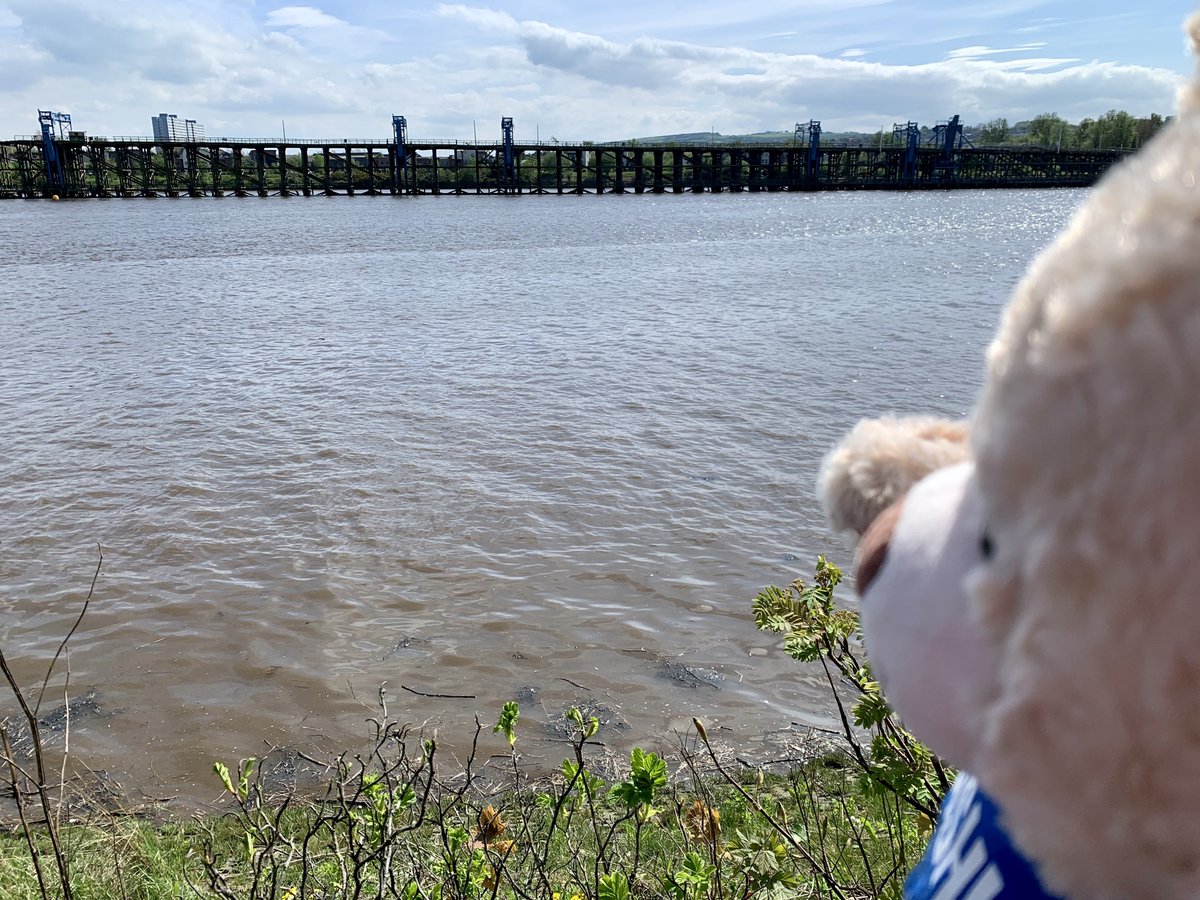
138, 167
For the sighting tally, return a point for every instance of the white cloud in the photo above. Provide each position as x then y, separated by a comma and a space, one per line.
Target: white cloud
19, 63
483, 19
755, 90
981, 52
302, 17
115, 66
455, 67
283, 41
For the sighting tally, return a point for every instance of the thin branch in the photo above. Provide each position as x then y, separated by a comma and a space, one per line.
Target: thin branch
405, 687
86, 601
25, 829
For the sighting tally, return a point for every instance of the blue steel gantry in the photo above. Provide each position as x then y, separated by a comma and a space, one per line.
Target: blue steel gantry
400, 129
506, 129
908, 136
55, 125
813, 163
948, 138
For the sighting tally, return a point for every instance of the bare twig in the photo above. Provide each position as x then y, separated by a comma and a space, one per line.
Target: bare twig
82, 612
15, 781
405, 687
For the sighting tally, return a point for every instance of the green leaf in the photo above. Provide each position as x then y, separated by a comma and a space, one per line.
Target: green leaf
871, 709
508, 721
247, 769
586, 728
649, 767
696, 870
614, 887
647, 776
222, 771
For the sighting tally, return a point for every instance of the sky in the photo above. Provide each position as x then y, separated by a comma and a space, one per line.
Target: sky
582, 70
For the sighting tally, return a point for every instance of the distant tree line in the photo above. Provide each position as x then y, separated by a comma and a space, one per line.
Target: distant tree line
1116, 129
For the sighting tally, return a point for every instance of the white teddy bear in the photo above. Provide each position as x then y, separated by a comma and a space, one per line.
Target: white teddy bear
1033, 606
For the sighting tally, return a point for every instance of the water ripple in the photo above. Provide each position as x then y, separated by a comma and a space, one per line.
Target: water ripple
471, 445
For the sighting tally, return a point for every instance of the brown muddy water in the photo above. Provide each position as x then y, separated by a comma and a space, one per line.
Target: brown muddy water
537, 448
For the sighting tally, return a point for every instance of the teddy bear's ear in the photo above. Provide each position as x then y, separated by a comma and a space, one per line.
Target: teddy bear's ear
879, 460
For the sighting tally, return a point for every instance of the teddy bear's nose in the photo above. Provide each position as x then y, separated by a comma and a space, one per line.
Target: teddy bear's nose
873, 546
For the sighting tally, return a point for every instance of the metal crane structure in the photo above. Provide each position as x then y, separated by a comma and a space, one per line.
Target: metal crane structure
400, 131
812, 165
948, 138
908, 136
506, 130
55, 125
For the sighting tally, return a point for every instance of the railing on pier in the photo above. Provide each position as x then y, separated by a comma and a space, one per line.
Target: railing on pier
139, 167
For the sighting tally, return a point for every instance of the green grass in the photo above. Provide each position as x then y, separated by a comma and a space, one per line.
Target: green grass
811, 831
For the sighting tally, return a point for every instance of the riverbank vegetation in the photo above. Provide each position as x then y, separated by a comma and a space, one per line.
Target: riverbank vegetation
1114, 130
844, 819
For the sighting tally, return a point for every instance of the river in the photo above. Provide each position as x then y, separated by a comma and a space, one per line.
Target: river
544, 448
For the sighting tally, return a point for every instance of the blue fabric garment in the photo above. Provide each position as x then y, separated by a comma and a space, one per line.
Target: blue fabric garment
970, 857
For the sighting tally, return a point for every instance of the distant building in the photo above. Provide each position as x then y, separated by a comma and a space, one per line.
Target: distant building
337, 163
270, 157
170, 128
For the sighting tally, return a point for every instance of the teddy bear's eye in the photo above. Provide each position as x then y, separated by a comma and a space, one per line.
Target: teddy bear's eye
986, 547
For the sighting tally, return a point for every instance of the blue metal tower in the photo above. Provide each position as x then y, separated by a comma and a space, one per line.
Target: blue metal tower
910, 134
506, 128
400, 128
51, 122
948, 138
813, 163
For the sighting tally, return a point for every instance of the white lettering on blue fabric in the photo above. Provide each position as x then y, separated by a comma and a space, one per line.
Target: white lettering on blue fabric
953, 869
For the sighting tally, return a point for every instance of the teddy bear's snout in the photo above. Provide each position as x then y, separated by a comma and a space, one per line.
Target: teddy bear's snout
873, 546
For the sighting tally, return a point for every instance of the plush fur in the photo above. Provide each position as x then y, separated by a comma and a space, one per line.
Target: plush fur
879, 460
1086, 445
